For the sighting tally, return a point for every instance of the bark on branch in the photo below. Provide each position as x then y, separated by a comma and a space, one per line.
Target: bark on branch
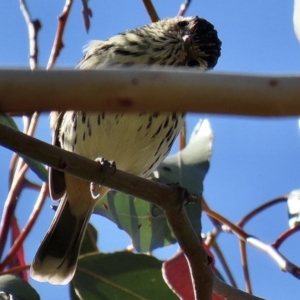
141, 89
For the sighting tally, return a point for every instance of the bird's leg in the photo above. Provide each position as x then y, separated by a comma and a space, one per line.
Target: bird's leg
95, 189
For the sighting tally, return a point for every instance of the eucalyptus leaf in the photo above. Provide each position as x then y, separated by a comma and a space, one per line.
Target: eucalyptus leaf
17, 288
89, 243
134, 216
189, 167
120, 275
8, 121
73, 295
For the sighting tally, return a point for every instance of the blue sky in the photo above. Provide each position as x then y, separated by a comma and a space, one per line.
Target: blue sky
254, 159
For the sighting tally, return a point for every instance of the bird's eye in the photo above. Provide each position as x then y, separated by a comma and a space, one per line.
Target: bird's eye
193, 63
182, 23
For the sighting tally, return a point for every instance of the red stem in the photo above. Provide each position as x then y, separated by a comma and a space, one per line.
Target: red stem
245, 266
58, 43
31, 221
259, 209
183, 8
15, 270
284, 236
10, 205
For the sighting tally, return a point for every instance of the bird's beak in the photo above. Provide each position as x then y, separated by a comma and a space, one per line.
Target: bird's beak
187, 41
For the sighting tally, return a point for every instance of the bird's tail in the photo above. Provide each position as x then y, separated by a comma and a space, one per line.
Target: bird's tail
56, 258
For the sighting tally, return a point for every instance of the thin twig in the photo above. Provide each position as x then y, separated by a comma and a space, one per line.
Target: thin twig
58, 43
151, 10
27, 228
33, 124
245, 266
284, 263
33, 28
12, 166
15, 270
20, 161
19, 257
259, 209
284, 236
31, 185
224, 264
215, 222
29, 126
183, 8
211, 241
87, 14
26, 121
16, 167
211, 236
10, 205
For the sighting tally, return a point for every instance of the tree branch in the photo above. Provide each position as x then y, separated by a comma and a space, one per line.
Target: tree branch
86, 14
184, 7
10, 205
283, 263
33, 27
85, 168
151, 10
136, 89
58, 42
27, 228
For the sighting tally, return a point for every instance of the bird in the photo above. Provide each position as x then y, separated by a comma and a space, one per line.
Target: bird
136, 142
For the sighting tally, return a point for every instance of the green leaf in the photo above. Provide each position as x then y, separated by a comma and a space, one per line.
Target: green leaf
121, 275
134, 216
73, 294
188, 167
37, 168
8, 121
18, 288
34, 165
89, 243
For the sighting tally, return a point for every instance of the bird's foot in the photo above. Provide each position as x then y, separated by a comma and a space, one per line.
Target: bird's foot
95, 188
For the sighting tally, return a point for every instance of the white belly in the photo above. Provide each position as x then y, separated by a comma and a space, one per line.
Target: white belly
136, 142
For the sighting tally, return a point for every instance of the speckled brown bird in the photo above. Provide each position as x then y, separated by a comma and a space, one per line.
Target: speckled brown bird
136, 142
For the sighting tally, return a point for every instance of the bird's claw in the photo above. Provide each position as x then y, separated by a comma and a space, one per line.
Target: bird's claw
106, 165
